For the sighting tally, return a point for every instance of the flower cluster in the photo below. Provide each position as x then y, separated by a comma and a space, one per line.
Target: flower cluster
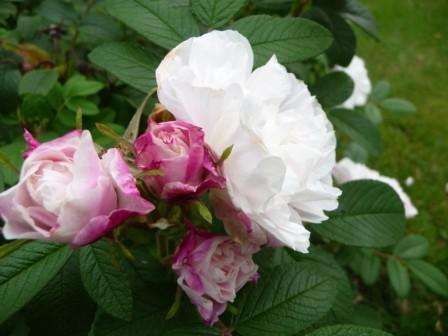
255, 146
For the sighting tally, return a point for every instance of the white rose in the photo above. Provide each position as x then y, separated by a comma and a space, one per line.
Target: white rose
279, 172
346, 170
363, 87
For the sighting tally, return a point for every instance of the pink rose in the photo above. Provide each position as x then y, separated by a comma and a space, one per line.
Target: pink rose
66, 193
211, 269
177, 148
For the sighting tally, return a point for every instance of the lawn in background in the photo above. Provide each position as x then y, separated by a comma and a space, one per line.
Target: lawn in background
413, 57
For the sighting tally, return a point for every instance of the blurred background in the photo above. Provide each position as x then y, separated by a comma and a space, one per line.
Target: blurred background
413, 57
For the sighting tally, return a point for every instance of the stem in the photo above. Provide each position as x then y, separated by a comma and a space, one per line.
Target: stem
176, 304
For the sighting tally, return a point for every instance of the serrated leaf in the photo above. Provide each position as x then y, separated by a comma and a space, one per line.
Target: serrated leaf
216, 13
165, 25
127, 62
333, 89
430, 275
412, 247
398, 277
342, 309
290, 39
10, 247
62, 307
24, 272
105, 280
286, 299
148, 317
370, 214
360, 129
99, 28
348, 330
39, 82
398, 106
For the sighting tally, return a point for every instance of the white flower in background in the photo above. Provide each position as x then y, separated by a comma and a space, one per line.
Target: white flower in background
346, 170
279, 171
358, 72
409, 181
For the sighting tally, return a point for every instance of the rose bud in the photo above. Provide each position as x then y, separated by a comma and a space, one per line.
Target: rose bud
67, 194
188, 167
211, 269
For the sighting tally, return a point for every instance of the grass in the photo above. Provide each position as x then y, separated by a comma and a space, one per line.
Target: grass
413, 57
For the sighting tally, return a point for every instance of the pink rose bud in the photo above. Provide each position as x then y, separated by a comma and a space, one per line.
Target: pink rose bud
177, 149
211, 270
67, 194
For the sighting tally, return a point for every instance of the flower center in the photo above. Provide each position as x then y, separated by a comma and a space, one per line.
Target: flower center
48, 185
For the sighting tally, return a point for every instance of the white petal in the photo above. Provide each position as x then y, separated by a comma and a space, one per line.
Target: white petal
346, 170
363, 87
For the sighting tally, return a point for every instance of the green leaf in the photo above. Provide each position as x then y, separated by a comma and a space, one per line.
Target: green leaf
13, 152
57, 11
24, 272
342, 309
412, 247
287, 298
370, 214
36, 109
344, 46
398, 106
62, 307
361, 16
196, 330
216, 13
87, 107
373, 113
430, 275
203, 211
9, 84
7, 9
356, 152
79, 86
129, 63
360, 129
38, 82
290, 39
353, 11
370, 268
398, 277
159, 22
333, 89
99, 28
8, 248
348, 330
105, 280
29, 26
381, 90
148, 317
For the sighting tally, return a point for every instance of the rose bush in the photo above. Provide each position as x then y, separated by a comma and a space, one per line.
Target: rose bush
228, 213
